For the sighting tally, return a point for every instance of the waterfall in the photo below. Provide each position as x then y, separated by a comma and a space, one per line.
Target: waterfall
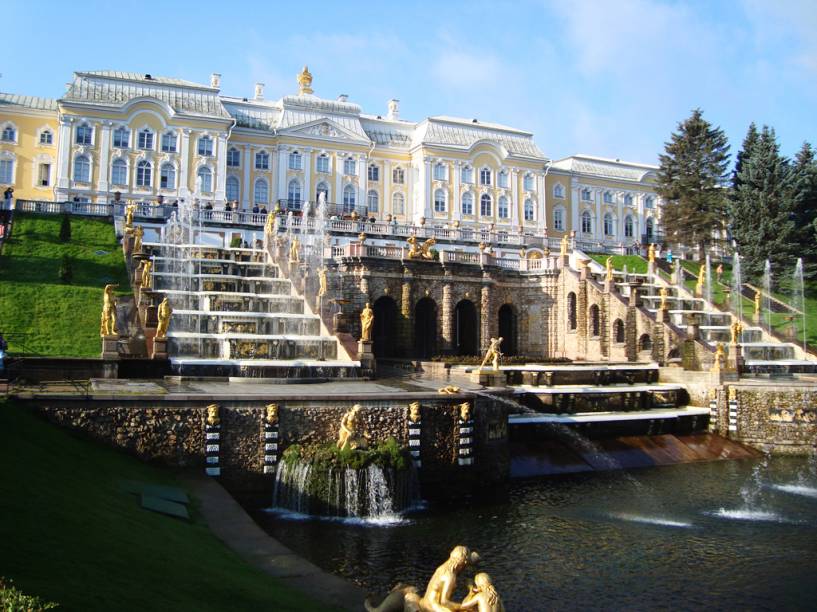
708, 282
737, 288
767, 295
798, 296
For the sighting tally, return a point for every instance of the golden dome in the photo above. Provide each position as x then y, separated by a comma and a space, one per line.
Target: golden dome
305, 81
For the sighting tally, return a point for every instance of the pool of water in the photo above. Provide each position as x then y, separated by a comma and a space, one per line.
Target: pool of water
737, 534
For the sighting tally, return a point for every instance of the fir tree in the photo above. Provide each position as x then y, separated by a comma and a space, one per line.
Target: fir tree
752, 136
690, 180
803, 204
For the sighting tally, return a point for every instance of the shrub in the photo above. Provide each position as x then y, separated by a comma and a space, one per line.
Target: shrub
65, 229
12, 600
506, 360
385, 454
235, 243
66, 270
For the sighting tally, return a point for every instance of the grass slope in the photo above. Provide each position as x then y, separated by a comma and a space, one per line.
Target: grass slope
68, 533
39, 315
635, 263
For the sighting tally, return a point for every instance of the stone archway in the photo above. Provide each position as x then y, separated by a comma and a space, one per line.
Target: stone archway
508, 330
384, 330
466, 328
425, 328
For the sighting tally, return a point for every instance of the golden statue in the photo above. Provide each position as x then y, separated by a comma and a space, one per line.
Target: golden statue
720, 358
294, 250
322, 282
271, 414
699, 286
130, 209
664, 293
146, 274
483, 596
493, 354
736, 328
449, 390
564, 245
651, 253
422, 251
426, 248
366, 322
347, 437
608, 265
465, 411
107, 326
269, 225
443, 583
212, 415
402, 598
305, 82
138, 234
362, 237
163, 313
758, 295
414, 412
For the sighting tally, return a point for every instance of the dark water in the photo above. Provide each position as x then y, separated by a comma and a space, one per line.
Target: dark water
708, 535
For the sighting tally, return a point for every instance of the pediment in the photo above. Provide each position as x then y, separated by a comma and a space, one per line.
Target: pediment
324, 129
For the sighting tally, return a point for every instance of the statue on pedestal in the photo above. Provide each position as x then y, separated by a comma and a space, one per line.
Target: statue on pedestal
271, 416
107, 325
564, 245
269, 225
651, 253
322, 282
295, 250
366, 323
609, 269
465, 411
758, 295
163, 313
699, 286
130, 209
736, 329
212, 415
493, 354
664, 293
138, 234
720, 358
414, 412
146, 274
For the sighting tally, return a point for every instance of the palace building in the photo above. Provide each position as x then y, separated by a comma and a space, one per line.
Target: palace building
152, 138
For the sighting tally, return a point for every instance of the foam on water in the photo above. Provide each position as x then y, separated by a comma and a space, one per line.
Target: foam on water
651, 520
747, 514
384, 520
795, 489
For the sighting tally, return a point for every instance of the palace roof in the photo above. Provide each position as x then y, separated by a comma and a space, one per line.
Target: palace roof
464, 133
32, 102
603, 167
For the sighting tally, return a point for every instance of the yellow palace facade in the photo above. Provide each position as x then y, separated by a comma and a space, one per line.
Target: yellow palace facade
152, 138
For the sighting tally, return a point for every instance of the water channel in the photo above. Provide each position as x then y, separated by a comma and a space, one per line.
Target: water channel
736, 534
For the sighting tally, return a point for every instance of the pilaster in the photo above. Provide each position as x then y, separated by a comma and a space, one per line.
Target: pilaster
184, 167
447, 325
104, 156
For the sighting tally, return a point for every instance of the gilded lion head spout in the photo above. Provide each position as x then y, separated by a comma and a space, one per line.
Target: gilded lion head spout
465, 411
272, 413
414, 412
212, 415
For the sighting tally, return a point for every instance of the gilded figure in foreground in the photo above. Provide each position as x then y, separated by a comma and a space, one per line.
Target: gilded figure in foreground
758, 295
212, 415
146, 274
348, 437
483, 596
138, 235
107, 325
736, 329
465, 411
492, 354
651, 253
443, 583
130, 209
563, 245
295, 250
664, 293
366, 323
608, 265
271, 414
163, 313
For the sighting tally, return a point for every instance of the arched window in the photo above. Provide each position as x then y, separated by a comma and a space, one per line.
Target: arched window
645, 343
9, 134
46, 137
503, 179
558, 191
262, 160
608, 225
559, 219
594, 321
374, 172
167, 176
398, 204
618, 331
529, 210
608, 197
233, 157
587, 223
439, 201
650, 226
84, 134
485, 203
348, 198
467, 203
119, 172
398, 176
485, 176
121, 137
349, 167
294, 194
260, 193
628, 199
467, 174
169, 142
205, 178
571, 310
145, 139
502, 208
82, 169
586, 195
232, 193
528, 182
322, 188
205, 146
628, 226
144, 173
649, 202
322, 163
439, 172
372, 201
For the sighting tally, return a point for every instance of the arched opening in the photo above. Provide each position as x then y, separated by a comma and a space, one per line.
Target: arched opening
384, 328
645, 343
466, 336
594, 322
618, 331
571, 310
425, 328
507, 329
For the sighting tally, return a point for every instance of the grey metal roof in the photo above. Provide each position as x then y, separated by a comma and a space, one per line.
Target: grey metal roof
46, 104
453, 132
254, 117
605, 168
142, 77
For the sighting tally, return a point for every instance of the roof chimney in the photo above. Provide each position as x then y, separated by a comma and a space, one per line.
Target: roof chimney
215, 80
259, 91
343, 98
394, 109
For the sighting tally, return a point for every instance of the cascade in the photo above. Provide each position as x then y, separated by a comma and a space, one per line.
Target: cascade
798, 296
766, 309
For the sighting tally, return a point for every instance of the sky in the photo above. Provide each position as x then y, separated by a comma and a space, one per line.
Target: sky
607, 78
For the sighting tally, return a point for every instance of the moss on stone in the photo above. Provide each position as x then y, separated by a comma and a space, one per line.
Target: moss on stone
385, 454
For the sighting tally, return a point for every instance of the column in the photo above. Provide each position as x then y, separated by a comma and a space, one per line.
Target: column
104, 156
404, 328
515, 199
620, 219
281, 192
485, 318
456, 204
541, 204
575, 200
338, 167
306, 194
64, 153
248, 188
597, 226
184, 185
447, 326
422, 199
363, 181
221, 167
387, 204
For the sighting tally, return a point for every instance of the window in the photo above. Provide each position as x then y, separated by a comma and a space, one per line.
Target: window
205, 178
503, 179
46, 137
528, 182
398, 176
232, 188
374, 173
558, 191
586, 195
371, 201
608, 225
608, 197
649, 202
398, 204
262, 160
628, 199
649, 228
205, 147
167, 176
6, 171
628, 226
485, 176
233, 157
84, 134
121, 138
439, 172
467, 203
295, 160
143, 174
349, 167
44, 175
119, 172
323, 188
528, 210
9, 134
169, 142
145, 139
261, 192
348, 198
502, 209
439, 201
323, 163
485, 205
82, 169
294, 194
587, 223
559, 219
467, 174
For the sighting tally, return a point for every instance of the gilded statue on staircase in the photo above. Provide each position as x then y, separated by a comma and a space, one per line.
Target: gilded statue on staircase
295, 250
107, 325
563, 245
322, 282
138, 235
130, 209
366, 323
608, 265
651, 253
420, 251
492, 354
163, 313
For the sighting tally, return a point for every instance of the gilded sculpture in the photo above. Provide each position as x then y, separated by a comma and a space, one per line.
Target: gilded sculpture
348, 436
651, 253
720, 358
699, 286
163, 313
130, 209
465, 411
138, 235
449, 390
269, 226
146, 274
271, 415
295, 250
322, 282
213, 418
305, 82
483, 596
664, 294
736, 329
758, 295
366, 323
414, 412
422, 251
492, 354
443, 583
107, 326
608, 265
563, 245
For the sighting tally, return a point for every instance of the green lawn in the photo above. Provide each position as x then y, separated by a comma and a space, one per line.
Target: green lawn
40, 315
635, 263
68, 534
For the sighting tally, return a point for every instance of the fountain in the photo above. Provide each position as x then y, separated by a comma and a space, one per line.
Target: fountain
708, 280
737, 287
766, 312
798, 297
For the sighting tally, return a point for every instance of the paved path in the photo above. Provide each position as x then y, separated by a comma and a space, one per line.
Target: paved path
232, 525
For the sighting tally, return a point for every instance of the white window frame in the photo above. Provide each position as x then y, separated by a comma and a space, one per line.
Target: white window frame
440, 201
349, 198
529, 182
485, 179
559, 191
233, 157
529, 210
119, 163
373, 173
628, 199
170, 142
486, 205
204, 146
42, 134
372, 201
629, 227
586, 219
260, 191
586, 195
559, 218
87, 129
295, 160
262, 159
146, 139
349, 166
467, 175
171, 176
87, 160
398, 203
398, 176
503, 211
322, 163
232, 180
119, 135
609, 223
467, 204
649, 202
502, 179
9, 163
439, 171
39, 178
144, 174
294, 194
11, 130
202, 172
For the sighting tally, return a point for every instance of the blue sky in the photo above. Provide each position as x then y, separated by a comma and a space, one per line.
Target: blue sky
609, 78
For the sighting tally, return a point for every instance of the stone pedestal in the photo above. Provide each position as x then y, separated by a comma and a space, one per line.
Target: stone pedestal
109, 347
488, 378
756, 318
127, 244
662, 315
650, 269
734, 360
365, 355
159, 348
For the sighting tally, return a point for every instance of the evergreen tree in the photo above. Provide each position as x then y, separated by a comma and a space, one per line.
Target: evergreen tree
803, 195
760, 211
65, 229
691, 179
752, 136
